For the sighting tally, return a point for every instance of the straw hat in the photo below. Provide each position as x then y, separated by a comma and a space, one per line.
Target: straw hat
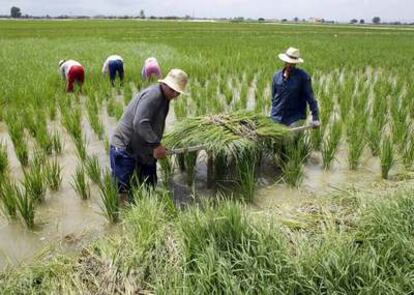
292, 56
61, 62
176, 79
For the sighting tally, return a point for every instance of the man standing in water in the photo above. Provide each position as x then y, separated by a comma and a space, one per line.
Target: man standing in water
136, 141
291, 91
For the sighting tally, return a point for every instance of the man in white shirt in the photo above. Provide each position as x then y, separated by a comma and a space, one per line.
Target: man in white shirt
73, 72
114, 64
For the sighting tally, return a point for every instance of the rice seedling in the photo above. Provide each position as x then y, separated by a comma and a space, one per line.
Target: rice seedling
167, 171
247, 175
26, 207
22, 154
8, 198
80, 183
190, 164
408, 154
4, 162
292, 168
53, 172
93, 116
93, 169
330, 144
57, 144
356, 140
34, 179
81, 148
110, 198
386, 156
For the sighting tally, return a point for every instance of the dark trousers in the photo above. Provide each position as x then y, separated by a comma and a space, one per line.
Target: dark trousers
116, 67
124, 167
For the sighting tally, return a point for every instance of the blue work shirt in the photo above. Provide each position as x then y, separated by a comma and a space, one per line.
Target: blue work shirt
289, 97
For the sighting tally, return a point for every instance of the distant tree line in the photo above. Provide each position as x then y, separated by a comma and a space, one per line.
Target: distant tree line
15, 12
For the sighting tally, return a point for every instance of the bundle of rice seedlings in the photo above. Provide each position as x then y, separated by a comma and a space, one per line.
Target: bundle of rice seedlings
227, 134
34, 178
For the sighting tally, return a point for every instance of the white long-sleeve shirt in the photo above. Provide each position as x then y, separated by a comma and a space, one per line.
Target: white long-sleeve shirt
110, 58
66, 66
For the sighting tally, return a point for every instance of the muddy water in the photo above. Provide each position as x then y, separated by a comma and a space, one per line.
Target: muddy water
318, 183
63, 220
68, 222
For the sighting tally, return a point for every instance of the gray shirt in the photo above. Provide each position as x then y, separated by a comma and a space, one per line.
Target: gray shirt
142, 125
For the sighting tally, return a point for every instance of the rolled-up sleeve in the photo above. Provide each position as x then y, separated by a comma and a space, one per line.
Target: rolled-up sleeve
146, 109
310, 98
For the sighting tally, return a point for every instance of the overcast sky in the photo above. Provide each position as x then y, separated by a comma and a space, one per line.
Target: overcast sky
340, 10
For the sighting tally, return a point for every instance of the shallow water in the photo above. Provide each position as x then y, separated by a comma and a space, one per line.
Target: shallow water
68, 222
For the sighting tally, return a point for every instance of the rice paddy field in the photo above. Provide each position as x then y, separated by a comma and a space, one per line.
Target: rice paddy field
331, 214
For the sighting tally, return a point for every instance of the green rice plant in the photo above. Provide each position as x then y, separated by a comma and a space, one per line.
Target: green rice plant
190, 164
93, 169
26, 207
22, 153
114, 108
292, 168
330, 143
374, 131
166, 170
4, 162
408, 154
386, 156
246, 169
57, 144
53, 172
34, 178
110, 198
93, 116
127, 94
80, 183
81, 148
8, 197
356, 139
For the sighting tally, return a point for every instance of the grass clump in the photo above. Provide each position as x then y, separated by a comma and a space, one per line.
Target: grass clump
26, 207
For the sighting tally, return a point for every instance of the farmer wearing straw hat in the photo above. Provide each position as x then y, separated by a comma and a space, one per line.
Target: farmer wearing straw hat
114, 64
291, 91
151, 68
136, 141
73, 72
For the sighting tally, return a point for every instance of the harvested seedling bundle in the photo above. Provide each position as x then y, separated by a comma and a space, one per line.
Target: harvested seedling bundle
228, 134
234, 143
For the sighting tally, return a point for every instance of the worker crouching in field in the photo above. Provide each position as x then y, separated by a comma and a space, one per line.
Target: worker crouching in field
151, 68
291, 91
136, 141
114, 64
73, 72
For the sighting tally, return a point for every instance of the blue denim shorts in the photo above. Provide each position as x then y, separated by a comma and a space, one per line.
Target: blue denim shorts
123, 167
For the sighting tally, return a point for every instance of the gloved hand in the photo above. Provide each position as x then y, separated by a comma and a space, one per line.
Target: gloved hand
160, 152
316, 124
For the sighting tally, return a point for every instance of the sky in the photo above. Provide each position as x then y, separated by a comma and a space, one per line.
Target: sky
338, 10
